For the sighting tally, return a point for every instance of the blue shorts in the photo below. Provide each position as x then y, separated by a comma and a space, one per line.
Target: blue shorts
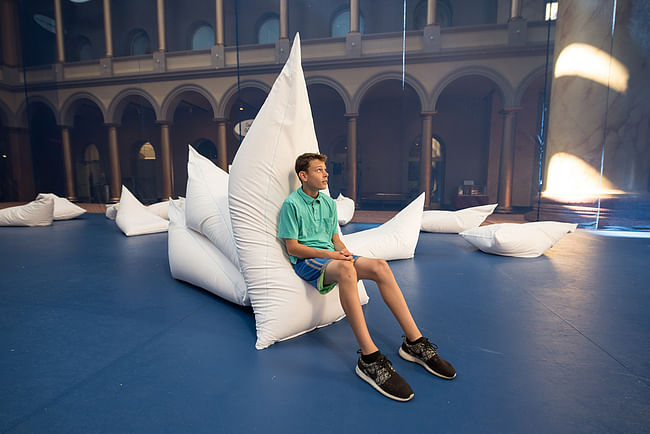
313, 271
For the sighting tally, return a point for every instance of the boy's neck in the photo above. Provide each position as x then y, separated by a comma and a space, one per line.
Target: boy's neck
309, 192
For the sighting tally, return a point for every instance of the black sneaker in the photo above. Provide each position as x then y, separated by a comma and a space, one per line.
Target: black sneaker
382, 376
424, 353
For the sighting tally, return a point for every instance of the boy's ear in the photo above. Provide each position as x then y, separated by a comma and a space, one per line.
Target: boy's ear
302, 175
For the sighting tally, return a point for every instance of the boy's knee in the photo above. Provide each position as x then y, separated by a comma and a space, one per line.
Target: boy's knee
381, 268
347, 271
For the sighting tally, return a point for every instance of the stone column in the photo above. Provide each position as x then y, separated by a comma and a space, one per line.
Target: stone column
9, 33
58, 18
222, 144
515, 9
21, 164
425, 158
284, 20
431, 12
114, 162
352, 155
67, 164
108, 31
166, 161
219, 27
600, 102
160, 9
506, 168
354, 15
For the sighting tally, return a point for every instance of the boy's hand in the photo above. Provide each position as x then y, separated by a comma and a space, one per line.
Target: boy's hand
342, 255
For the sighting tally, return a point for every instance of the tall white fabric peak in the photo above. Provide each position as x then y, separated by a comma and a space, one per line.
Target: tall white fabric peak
261, 177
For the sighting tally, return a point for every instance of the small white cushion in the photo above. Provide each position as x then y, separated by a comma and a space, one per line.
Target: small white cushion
344, 209
39, 212
395, 239
206, 209
194, 259
63, 208
261, 177
111, 210
454, 222
133, 218
523, 240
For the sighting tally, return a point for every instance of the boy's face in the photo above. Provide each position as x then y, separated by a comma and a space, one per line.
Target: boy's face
315, 178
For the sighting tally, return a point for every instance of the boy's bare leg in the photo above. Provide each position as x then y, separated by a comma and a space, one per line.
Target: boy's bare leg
345, 274
379, 271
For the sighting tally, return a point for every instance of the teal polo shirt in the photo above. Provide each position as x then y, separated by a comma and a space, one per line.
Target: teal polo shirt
311, 221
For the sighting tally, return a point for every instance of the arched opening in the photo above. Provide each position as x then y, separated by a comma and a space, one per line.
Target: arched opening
242, 108
437, 186
8, 189
47, 150
268, 29
140, 167
328, 111
202, 37
468, 118
89, 150
389, 122
139, 43
192, 122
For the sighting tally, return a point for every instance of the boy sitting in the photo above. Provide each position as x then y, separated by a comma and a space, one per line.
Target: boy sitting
308, 225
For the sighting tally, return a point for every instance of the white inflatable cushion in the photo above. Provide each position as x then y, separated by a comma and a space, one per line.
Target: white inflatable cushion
261, 177
207, 208
523, 240
395, 239
194, 259
39, 212
111, 211
344, 209
133, 218
159, 209
454, 222
63, 208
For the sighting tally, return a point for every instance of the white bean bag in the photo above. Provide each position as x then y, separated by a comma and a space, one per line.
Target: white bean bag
159, 209
523, 240
133, 218
455, 222
206, 209
395, 239
39, 212
344, 209
261, 177
63, 208
194, 259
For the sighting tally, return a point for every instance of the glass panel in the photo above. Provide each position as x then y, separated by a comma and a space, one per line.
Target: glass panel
269, 31
203, 38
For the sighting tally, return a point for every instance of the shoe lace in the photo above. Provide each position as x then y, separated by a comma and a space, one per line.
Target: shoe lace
426, 349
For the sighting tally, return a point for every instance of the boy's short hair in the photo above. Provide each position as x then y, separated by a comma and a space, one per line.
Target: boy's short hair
303, 161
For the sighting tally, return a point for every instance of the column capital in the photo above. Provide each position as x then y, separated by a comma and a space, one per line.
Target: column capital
114, 125
219, 120
428, 113
164, 123
351, 115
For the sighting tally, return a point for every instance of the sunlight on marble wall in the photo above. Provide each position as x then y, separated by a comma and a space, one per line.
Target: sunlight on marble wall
571, 179
587, 61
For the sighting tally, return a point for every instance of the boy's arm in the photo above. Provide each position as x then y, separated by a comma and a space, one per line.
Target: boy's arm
294, 248
339, 246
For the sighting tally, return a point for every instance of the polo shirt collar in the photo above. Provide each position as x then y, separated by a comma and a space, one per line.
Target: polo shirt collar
307, 198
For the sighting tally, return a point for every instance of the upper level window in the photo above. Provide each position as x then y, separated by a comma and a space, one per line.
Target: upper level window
84, 49
341, 24
269, 31
140, 43
551, 11
203, 37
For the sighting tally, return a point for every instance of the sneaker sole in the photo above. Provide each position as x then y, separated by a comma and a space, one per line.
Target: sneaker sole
406, 356
369, 380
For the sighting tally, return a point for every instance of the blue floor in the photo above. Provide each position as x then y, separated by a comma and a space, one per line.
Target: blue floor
97, 337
